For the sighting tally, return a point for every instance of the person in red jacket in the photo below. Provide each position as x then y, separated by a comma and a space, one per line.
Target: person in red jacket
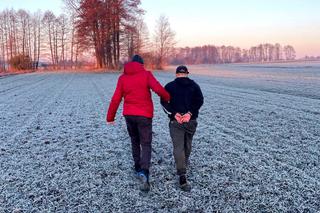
134, 86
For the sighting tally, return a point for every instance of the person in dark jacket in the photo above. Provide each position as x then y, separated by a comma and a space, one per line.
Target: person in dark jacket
183, 109
134, 86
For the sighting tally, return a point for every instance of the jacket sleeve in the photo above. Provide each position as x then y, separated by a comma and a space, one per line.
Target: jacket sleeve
115, 102
166, 104
197, 99
157, 88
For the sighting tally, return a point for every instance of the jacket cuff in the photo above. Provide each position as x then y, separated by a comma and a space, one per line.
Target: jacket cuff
110, 119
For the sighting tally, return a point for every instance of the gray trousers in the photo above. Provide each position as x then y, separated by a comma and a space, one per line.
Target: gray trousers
182, 135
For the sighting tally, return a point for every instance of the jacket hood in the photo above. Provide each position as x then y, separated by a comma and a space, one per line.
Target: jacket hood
132, 68
184, 81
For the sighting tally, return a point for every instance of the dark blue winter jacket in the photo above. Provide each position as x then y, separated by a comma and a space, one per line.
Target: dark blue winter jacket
186, 96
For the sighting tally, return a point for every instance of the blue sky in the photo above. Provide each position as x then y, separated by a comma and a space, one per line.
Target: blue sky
229, 22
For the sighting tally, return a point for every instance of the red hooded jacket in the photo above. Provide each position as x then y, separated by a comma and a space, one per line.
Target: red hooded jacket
134, 86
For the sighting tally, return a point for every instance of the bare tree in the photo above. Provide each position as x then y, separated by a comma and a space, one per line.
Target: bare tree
164, 41
135, 39
289, 52
73, 5
72, 34
48, 22
23, 19
2, 44
62, 30
277, 52
36, 29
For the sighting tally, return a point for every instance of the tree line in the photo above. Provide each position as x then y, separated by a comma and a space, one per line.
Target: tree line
27, 38
115, 31
210, 54
108, 27
105, 34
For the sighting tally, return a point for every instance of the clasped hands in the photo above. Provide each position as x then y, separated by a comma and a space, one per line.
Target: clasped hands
183, 118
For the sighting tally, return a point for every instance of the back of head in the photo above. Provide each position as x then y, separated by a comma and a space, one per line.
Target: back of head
135, 66
182, 70
137, 58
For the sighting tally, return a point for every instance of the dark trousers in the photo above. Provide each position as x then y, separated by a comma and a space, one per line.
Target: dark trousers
140, 132
182, 135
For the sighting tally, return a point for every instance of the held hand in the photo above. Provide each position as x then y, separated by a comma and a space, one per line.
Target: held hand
186, 118
111, 123
178, 117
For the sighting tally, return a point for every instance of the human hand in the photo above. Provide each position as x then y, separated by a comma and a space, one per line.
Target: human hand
186, 118
111, 123
178, 117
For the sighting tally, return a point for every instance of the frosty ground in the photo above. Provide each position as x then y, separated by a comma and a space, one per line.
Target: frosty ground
256, 149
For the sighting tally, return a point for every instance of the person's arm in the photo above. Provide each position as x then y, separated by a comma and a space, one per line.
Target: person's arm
115, 102
167, 107
157, 88
197, 100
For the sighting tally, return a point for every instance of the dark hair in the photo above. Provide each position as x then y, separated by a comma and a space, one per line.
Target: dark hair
137, 58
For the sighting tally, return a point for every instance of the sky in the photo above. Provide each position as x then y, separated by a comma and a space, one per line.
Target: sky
242, 23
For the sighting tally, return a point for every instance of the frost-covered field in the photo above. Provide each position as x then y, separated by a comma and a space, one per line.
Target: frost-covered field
256, 149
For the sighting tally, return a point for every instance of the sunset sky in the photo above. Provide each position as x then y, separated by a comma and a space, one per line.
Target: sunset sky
231, 22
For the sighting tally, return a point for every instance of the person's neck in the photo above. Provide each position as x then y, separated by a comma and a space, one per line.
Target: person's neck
183, 76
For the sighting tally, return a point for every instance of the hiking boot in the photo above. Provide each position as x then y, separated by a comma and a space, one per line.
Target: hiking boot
144, 179
183, 183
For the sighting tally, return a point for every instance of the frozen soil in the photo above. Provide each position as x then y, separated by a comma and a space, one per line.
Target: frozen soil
255, 150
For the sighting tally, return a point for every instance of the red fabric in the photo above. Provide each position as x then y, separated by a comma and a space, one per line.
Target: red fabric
134, 86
